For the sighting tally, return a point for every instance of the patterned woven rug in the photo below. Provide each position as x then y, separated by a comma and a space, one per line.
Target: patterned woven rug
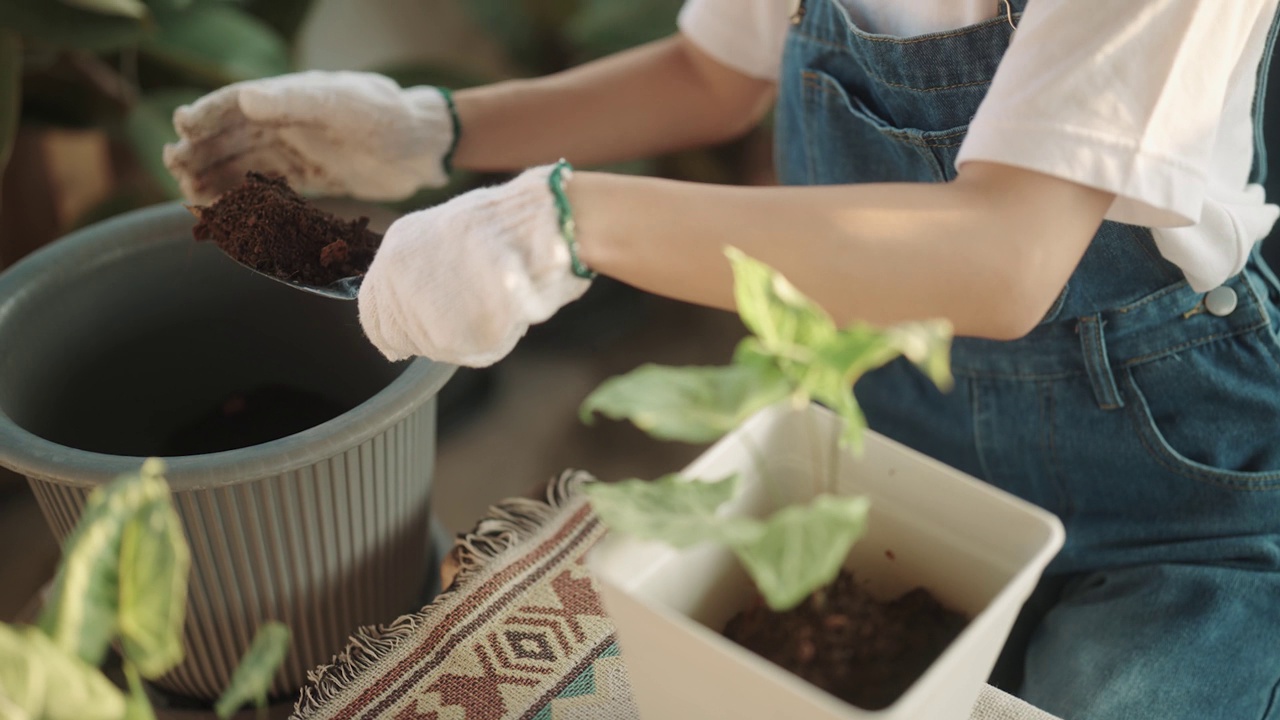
520, 634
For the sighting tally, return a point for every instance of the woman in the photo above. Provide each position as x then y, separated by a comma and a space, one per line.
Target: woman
1079, 196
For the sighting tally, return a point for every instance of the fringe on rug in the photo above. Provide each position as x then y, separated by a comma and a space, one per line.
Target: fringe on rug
513, 521
505, 526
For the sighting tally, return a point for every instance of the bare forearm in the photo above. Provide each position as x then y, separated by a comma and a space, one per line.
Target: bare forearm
881, 253
657, 98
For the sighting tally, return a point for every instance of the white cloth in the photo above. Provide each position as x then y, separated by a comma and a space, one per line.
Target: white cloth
462, 282
1149, 100
333, 133
995, 704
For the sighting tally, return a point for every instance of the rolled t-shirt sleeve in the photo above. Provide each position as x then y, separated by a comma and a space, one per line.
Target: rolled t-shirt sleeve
746, 35
1126, 97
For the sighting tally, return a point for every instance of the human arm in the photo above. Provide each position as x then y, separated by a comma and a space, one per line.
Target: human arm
463, 281
664, 96
989, 251
360, 134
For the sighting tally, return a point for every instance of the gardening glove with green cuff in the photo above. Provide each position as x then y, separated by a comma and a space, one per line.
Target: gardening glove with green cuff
462, 282
331, 133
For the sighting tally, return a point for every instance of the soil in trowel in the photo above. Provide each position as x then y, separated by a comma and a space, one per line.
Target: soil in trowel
252, 418
855, 647
264, 224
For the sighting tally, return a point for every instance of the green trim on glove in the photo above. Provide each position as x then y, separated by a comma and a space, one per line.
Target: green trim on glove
457, 128
568, 230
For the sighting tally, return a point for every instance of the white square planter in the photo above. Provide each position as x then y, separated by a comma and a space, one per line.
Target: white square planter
978, 549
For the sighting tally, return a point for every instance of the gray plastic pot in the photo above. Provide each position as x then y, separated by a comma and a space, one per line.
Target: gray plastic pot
119, 334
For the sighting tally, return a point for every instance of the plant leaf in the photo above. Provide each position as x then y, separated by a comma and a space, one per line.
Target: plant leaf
23, 680
149, 126
10, 93
63, 26
154, 561
286, 17
514, 27
691, 404
218, 43
834, 389
454, 76
928, 345
604, 27
786, 322
81, 614
39, 680
163, 6
125, 8
821, 362
674, 509
856, 350
798, 549
252, 679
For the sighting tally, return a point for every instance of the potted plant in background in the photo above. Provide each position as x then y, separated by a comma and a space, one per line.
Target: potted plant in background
790, 497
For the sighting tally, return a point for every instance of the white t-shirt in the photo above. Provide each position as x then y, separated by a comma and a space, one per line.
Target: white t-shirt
1151, 100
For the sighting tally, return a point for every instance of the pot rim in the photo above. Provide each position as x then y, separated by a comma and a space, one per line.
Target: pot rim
41, 459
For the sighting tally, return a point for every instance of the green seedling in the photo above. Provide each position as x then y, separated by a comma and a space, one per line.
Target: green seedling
794, 352
123, 580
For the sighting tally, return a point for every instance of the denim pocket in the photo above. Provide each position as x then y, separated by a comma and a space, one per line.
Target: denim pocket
1266, 286
859, 142
1212, 413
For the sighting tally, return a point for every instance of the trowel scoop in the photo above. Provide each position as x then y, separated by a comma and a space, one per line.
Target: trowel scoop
310, 246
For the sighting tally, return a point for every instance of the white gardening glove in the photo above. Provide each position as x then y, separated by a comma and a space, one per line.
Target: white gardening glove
462, 282
332, 133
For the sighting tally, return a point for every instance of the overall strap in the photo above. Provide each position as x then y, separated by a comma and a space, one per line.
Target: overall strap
1259, 174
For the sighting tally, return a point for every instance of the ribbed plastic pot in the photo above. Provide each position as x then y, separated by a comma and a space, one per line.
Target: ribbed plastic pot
115, 336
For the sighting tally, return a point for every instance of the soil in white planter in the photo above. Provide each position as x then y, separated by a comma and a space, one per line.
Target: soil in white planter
841, 639
264, 224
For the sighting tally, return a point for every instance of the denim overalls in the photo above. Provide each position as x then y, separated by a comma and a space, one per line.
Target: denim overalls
1144, 414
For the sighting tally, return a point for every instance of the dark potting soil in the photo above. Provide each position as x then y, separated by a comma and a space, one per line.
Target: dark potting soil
264, 224
859, 649
252, 418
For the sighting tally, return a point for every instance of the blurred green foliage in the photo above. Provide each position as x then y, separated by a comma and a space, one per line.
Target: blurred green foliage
124, 65
123, 580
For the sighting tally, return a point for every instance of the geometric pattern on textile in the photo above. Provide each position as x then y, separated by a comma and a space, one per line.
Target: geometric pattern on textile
520, 633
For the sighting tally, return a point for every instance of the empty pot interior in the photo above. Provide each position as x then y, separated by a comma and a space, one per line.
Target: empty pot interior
162, 346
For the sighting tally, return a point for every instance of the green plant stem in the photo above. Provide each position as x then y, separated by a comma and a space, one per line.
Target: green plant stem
815, 451
134, 679
819, 598
833, 469
140, 705
770, 482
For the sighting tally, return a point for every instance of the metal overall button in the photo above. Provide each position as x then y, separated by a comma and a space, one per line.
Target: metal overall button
1220, 301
